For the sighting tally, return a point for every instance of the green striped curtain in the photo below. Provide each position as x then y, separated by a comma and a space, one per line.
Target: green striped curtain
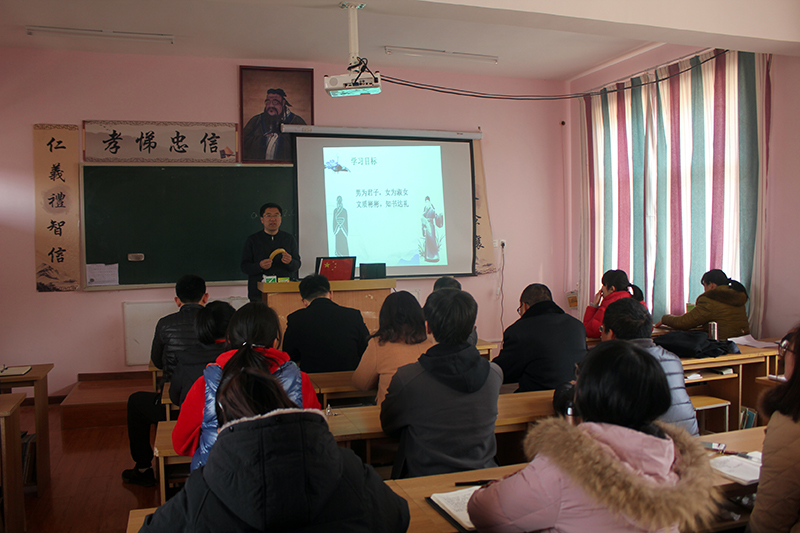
674, 168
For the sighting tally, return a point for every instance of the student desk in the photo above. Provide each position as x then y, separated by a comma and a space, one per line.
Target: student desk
514, 413
332, 385
37, 378
136, 519
740, 387
11, 465
415, 490
166, 455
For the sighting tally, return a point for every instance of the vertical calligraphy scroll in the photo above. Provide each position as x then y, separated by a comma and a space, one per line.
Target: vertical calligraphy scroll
56, 167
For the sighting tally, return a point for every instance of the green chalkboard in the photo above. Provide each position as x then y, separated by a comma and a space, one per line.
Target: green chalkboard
185, 220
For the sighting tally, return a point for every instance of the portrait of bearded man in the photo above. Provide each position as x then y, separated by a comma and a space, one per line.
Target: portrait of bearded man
262, 139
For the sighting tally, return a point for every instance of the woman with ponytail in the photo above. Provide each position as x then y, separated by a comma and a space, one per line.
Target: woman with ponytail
722, 302
277, 468
254, 335
615, 286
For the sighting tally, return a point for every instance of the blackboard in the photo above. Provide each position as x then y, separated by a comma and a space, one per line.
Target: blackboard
185, 220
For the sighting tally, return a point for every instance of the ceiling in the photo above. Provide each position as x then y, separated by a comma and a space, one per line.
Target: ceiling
541, 39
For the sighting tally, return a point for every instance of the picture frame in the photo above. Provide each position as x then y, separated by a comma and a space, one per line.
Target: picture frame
264, 93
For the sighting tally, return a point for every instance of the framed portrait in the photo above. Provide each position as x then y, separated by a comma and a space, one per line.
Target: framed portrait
271, 97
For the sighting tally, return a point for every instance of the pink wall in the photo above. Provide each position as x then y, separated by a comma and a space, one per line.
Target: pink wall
782, 290
524, 146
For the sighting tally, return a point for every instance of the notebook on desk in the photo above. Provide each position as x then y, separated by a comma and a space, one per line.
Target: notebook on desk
14, 370
453, 507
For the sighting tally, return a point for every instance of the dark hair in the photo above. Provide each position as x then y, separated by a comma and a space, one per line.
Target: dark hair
450, 314
268, 205
212, 321
620, 383
628, 319
619, 280
446, 282
535, 293
245, 391
314, 286
190, 289
401, 319
785, 397
254, 324
718, 277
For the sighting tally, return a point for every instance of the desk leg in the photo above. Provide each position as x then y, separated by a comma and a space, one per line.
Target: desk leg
14, 499
162, 480
40, 401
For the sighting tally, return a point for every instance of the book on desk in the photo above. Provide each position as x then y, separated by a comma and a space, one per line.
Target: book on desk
453, 506
14, 370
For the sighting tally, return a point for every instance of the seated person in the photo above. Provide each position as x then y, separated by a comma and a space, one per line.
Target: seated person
722, 302
444, 407
541, 349
277, 468
449, 282
630, 321
255, 331
400, 340
617, 471
212, 323
324, 337
615, 286
777, 505
175, 334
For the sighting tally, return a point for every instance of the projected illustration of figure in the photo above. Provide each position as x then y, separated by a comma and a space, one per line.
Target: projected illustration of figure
430, 221
340, 228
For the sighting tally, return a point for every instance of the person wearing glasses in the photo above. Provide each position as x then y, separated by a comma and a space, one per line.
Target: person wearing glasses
777, 505
541, 349
271, 252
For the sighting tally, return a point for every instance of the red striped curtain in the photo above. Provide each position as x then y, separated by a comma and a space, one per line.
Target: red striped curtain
674, 176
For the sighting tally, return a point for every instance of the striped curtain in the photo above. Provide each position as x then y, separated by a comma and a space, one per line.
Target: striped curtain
675, 166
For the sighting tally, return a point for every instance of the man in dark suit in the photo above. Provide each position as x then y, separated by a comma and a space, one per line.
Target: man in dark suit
324, 337
540, 349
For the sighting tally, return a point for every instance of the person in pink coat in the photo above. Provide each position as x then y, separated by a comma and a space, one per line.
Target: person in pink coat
617, 471
615, 286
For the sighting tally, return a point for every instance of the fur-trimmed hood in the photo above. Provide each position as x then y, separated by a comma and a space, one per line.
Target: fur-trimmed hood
654, 482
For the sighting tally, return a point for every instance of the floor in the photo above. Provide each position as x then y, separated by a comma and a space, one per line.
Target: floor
87, 493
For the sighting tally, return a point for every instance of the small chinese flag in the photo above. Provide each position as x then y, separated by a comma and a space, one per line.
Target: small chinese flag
337, 269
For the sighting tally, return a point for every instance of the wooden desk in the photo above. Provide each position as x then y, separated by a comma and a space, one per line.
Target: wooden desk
366, 295
166, 455
514, 413
740, 387
330, 385
11, 450
136, 519
415, 490
37, 378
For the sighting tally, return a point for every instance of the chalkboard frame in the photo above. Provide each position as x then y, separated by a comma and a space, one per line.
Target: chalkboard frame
156, 220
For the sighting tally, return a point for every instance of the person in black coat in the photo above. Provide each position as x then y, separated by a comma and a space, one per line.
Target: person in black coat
324, 337
277, 471
541, 349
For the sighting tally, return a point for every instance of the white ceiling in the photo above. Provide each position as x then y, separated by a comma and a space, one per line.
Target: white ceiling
541, 39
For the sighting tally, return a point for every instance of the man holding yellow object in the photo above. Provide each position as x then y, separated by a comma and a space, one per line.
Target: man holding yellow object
270, 252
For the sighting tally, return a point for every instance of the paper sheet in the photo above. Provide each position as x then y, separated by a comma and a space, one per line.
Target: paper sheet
748, 340
99, 274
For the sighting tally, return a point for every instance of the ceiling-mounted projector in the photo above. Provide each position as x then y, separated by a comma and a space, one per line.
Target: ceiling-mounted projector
359, 78
353, 84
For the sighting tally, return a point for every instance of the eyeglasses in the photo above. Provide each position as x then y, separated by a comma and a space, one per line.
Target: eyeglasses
602, 329
519, 310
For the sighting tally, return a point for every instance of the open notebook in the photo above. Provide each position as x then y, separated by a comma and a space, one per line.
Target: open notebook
743, 470
453, 506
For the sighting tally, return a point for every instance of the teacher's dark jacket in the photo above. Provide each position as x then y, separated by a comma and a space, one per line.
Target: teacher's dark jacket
325, 337
282, 471
541, 349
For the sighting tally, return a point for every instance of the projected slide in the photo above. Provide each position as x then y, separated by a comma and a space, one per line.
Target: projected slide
385, 204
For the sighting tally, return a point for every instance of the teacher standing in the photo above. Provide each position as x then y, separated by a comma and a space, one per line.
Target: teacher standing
258, 258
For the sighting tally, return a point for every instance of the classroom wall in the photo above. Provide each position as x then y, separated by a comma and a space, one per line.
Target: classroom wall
81, 332
782, 290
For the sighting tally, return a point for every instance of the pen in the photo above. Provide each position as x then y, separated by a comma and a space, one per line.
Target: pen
471, 483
